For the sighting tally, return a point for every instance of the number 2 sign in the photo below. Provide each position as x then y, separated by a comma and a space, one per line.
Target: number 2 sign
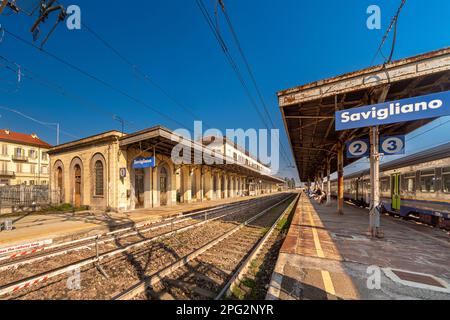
388, 146
358, 148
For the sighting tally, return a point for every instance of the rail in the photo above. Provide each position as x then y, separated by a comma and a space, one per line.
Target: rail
142, 285
243, 269
96, 259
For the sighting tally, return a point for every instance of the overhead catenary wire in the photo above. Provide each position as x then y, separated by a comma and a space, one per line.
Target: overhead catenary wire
135, 68
28, 74
142, 74
393, 24
249, 70
95, 78
230, 59
426, 131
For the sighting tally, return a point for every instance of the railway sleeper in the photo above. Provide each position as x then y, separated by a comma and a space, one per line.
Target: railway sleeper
188, 287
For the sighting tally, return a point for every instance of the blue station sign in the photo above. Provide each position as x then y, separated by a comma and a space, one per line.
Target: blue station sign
142, 163
422, 107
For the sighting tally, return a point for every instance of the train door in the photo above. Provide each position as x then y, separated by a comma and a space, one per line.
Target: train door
360, 191
395, 191
367, 191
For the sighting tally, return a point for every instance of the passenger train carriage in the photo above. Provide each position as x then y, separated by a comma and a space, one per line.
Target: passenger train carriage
413, 186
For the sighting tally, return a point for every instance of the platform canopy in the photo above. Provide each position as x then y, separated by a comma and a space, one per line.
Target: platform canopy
160, 139
309, 110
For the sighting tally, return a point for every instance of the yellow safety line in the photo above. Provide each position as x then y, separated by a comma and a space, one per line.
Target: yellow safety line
328, 284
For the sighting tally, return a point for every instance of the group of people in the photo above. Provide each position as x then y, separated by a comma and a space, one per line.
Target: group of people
317, 194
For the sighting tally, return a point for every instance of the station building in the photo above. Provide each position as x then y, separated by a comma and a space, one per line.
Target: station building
102, 171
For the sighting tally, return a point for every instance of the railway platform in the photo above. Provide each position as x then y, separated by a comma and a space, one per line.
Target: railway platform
330, 256
58, 227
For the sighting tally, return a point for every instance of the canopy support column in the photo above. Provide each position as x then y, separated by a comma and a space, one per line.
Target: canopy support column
321, 179
340, 171
328, 182
374, 216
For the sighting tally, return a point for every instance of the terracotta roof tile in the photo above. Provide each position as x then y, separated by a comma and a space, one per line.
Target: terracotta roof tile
22, 138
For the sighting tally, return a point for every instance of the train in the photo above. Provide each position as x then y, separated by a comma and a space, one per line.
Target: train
416, 186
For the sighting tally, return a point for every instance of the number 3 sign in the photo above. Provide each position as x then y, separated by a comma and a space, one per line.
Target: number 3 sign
388, 146
392, 145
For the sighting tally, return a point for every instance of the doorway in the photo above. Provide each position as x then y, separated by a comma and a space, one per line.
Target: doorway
163, 186
395, 191
193, 185
222, 187
59, 184
139, 188
77, 173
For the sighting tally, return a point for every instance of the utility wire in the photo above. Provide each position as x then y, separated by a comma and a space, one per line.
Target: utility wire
432, 128
26, 73
249, 70
142, 74
46, 124
229, 58
137, 70
95, 78
393, 24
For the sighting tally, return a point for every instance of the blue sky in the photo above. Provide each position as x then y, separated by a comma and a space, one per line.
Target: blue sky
288, 43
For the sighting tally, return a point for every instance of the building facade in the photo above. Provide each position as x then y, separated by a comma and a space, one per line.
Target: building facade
241, 156
104, 172
24, 159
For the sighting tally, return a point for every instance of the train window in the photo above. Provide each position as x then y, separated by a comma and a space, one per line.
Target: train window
384, 187
410, 182
446, 180
427, 180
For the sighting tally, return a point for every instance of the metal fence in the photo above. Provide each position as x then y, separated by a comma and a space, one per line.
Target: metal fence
21, 196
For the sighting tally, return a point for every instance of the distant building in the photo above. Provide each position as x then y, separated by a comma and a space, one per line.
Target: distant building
241, 156
233, 151
133, 171
23, 159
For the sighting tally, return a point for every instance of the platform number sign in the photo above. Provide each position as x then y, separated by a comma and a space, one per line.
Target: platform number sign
392, 145
358, 148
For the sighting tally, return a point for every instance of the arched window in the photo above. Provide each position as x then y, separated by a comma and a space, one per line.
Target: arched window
99, 185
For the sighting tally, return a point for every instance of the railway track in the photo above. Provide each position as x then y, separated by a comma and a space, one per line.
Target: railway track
211, 271
123, 245
17, 258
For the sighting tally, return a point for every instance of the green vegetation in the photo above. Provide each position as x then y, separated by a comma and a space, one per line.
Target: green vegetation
262, 267
237, 293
